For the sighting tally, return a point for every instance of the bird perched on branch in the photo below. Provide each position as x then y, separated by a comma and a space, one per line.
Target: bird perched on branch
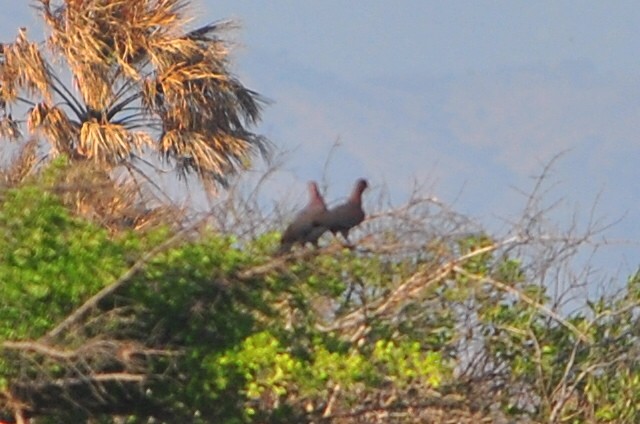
342, 218
303, 229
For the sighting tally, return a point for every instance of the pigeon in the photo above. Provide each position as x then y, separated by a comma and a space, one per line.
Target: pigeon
303, 229
342, 218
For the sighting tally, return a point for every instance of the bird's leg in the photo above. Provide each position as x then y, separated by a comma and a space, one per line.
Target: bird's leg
345, 234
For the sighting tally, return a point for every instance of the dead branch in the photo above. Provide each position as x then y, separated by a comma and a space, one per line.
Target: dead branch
522, 296
122, 348
411, 288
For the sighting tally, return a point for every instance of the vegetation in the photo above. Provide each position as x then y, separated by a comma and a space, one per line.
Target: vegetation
117, 310
428, 319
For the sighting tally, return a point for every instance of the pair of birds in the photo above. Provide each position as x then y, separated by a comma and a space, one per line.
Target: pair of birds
315, 219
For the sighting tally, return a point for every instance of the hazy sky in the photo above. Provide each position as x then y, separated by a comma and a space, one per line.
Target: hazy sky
473, 97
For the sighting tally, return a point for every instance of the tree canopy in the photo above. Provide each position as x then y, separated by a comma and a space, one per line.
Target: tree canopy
428, 319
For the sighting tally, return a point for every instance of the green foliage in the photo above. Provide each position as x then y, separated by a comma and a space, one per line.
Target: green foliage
227, 333
49, 261
477, 264
405, 362
265, 370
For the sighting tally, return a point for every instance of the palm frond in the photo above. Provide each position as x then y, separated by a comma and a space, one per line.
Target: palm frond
55, 125
22, 164
24, 67
109, 143
9, 128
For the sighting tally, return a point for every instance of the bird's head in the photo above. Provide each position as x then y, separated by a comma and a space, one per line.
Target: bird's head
314, 193
313, 187
361, 185
356, 194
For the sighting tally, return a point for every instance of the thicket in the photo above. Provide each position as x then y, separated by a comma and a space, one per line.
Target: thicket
427, 319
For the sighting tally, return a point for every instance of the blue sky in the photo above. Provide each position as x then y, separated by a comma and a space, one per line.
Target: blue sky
473, 97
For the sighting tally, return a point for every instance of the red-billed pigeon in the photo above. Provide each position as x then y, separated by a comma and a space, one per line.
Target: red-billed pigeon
344, 217
303, 229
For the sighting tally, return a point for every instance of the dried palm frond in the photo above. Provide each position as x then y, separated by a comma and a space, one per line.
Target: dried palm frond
22, 164
25, 68
9, 128
108, 143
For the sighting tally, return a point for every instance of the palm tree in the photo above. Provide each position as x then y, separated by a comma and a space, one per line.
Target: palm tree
140, 82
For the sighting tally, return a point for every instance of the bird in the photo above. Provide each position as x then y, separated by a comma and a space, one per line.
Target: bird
302, 229
342, 218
